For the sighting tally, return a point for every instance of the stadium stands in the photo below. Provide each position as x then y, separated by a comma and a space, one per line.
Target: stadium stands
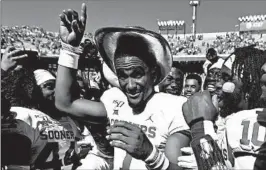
48, 43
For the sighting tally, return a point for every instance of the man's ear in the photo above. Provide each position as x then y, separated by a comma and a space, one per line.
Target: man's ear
155, 75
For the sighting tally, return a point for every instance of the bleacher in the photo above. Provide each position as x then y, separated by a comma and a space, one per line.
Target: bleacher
47, 44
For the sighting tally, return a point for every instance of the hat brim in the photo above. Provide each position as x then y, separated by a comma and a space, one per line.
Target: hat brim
106, 40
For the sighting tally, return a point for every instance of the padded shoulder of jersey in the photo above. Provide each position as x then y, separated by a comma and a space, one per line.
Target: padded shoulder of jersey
113, 93
242, 114
25, 114
171, 106
169, 99
21, 112
24, 110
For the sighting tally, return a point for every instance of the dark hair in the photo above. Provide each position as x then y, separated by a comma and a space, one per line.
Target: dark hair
211, 51
180, 67
20, 88
133, 45
247, 65
196, 77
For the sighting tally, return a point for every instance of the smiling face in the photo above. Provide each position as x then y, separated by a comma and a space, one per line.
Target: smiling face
135, 79
173, 83
191, 87
47, 89
213, 77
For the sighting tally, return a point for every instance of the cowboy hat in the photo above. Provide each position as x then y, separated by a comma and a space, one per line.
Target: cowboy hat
110, 75
108, 40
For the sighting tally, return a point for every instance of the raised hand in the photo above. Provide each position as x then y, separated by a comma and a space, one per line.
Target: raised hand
130, 138
72, 26
11, 57
199, 106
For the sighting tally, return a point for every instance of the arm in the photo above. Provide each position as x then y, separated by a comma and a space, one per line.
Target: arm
71, 32
64, 100
200, 113
173, 147
206, 150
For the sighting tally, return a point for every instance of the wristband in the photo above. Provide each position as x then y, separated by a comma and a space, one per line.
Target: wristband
202, 128
152, 156
209, 129
67, 47
161, 162
68, 59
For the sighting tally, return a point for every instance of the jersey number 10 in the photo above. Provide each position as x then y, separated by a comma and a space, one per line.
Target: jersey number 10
255, 134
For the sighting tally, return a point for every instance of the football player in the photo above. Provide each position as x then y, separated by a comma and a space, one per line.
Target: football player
50, 142
140, 59
245, 134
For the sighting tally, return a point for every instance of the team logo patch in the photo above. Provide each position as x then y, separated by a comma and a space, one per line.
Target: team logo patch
150, 118
118, 105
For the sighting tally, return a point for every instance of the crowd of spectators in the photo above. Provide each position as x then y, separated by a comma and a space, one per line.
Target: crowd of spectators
224, 44
186, 46
32, 38
48, 44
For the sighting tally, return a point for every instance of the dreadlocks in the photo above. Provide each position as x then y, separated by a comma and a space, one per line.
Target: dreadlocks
19, 88
248, 62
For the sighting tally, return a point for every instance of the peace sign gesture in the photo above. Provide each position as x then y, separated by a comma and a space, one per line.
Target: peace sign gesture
72, 26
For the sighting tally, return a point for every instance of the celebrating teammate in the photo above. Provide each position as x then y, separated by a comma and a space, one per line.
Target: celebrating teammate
48, 140
192, 85
140, 59
173, 83
245, 133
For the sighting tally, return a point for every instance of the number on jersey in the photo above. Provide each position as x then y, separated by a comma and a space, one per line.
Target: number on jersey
252, 132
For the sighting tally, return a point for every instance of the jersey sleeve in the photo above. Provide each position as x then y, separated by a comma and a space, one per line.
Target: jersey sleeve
234, 127
177, 121
109, 96
205, 66
233, 131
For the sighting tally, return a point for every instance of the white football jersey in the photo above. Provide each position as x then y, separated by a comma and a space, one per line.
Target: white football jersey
245, 135
222, 140
161, 118
64, 133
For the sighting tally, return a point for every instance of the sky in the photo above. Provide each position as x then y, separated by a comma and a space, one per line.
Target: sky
212, 15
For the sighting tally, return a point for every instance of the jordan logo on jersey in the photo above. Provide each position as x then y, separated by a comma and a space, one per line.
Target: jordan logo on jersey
149, 118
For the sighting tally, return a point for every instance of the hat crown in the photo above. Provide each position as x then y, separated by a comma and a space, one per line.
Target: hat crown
107, 41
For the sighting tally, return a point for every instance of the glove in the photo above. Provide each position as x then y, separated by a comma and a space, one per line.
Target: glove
199, 107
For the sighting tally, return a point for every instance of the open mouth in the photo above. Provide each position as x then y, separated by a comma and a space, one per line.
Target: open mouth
211, 87
133, 95
171, 91
188, 94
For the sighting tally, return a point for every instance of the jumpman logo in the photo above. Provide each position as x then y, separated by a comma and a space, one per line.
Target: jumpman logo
149, 118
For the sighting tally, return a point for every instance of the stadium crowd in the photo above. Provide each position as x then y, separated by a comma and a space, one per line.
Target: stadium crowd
32, 38
224, 44
120, 102
48, 43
